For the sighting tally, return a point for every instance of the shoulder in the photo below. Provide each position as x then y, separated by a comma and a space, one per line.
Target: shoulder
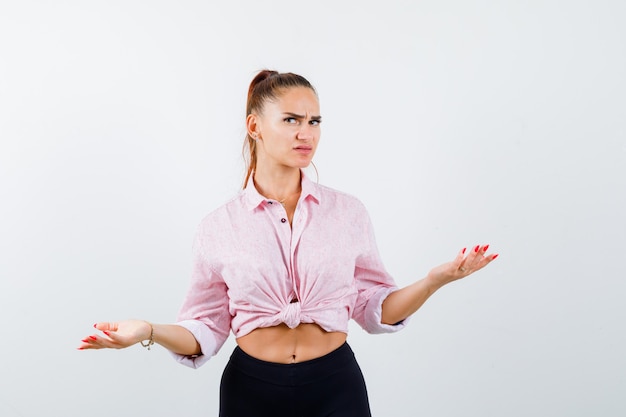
235, 206
340, 200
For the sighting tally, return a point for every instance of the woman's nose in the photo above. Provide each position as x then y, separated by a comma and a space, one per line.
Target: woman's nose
305, 133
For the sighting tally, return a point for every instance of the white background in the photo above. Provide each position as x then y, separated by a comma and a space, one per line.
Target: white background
455, 122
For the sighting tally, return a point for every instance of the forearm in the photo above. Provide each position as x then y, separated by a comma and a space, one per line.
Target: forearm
176, 339
402, 303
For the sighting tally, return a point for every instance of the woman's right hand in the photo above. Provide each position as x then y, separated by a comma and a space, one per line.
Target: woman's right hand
117, 335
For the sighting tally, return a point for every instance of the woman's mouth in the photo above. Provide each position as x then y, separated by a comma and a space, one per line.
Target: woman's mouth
303, 149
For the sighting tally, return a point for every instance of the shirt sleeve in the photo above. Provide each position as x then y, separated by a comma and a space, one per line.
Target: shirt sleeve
374, 284
204, 311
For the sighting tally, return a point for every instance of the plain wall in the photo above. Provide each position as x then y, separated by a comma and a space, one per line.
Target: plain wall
455, 122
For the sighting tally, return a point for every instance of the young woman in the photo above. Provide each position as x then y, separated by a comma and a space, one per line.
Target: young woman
284, 266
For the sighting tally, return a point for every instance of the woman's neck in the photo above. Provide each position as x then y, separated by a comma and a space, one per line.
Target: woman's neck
278, 185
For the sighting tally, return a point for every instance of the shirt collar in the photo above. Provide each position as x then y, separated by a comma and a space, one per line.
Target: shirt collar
254, 199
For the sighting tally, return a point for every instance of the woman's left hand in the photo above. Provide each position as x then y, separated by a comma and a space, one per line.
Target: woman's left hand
462, 266
402, 303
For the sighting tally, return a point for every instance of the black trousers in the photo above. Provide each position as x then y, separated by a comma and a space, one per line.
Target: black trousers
332, 385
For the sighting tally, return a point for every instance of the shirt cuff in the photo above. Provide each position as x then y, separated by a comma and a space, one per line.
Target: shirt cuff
374, 314
205, 339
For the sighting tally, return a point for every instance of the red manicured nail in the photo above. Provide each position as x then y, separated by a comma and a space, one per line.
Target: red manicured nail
485, 248
463, 251
494, 256
476, 248
105, 332
85, 341
93, 337
94, 326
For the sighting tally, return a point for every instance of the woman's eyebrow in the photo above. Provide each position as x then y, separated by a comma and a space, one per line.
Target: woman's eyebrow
300, 116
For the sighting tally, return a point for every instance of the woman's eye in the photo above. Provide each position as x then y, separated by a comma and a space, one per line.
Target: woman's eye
290, 120
315, 122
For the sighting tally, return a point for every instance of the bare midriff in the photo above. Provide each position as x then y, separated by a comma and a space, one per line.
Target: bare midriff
280, 344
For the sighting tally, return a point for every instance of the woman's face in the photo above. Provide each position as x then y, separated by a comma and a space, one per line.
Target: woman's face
288, 130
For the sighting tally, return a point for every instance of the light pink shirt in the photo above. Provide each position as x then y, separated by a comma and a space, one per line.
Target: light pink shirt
251, 269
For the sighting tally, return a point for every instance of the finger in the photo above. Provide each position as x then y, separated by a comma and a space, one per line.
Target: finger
467, 263
112, 337
460, 256
483, 260
90, 342
460, 260
473, 253
85, 344
480, 250
110, 326
476, 259
476, 255
100, 342
486, 260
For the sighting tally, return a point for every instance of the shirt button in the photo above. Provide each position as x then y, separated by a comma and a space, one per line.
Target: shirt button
269, 202
283, 220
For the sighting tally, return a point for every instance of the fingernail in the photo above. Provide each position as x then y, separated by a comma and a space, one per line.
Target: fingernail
93, 337
85, 341
80, 348
494, 256
105, 332
476, 248
485, 248
95, 325
463, 251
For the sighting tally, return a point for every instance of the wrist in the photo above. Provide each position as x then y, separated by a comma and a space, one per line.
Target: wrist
149, 340
432, 282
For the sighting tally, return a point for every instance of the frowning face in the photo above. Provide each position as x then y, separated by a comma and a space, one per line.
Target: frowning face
287, 130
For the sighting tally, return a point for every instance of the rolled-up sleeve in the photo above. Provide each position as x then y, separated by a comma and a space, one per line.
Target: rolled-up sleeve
204, 311
374, 284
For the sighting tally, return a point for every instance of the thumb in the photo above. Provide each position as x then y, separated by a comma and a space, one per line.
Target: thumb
106, 326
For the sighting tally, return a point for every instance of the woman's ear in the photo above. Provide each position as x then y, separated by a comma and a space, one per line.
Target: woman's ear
252, 126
